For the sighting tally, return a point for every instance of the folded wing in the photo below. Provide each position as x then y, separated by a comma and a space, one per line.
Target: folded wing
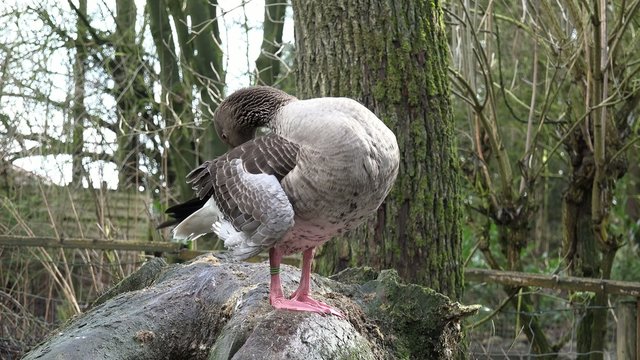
245, 186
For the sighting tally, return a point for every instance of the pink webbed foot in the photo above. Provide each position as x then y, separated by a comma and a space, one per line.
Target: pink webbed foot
309, 305
300, 300
324, 308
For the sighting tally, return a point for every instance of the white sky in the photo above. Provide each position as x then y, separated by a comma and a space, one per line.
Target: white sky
237, 42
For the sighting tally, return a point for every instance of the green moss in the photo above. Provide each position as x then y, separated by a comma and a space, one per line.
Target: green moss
411, 311
379, 91
406, 47
393, 80
355, 275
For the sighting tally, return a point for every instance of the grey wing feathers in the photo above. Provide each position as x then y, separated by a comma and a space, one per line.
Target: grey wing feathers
245, 184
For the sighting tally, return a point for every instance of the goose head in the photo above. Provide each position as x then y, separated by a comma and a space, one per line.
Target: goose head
241, 113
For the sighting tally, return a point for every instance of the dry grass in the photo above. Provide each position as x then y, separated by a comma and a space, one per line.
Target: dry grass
41, 288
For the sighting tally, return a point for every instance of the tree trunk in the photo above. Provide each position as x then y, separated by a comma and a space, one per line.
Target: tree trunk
268, 62
216, 310
392, 57
632, 201
588, 245
125, 68
78, 110
201, 68
176, 96
583, 255
209, 75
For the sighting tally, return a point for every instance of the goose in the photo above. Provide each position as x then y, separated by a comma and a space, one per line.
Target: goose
323, 167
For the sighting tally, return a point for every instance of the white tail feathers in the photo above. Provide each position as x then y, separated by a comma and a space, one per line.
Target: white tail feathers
238, 242
199, 223
227, 233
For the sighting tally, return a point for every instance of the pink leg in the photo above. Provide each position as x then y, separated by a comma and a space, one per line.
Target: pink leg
301, 302
302, 293
275, 288
305, 277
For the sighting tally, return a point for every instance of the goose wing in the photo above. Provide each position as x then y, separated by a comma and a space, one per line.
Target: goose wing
245, 185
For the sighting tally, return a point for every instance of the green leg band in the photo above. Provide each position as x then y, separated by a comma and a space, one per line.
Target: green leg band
274, 271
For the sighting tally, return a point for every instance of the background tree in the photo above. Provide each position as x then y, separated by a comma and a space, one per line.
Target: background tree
549, 89
392, 56
78, 107
197, 70
191, 86
269, 62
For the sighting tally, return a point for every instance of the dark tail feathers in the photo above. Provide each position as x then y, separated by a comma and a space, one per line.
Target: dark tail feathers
182, 211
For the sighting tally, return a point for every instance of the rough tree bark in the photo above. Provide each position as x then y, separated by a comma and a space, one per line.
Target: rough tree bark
392, 56
217, 310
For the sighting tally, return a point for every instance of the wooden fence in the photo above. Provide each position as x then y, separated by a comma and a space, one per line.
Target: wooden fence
63, 212
627, 311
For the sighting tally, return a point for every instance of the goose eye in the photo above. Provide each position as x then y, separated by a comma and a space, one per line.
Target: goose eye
224, 136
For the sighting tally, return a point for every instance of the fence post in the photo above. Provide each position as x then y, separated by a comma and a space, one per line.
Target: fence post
627, 329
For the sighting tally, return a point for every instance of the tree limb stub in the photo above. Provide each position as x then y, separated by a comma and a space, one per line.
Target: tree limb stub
220, 310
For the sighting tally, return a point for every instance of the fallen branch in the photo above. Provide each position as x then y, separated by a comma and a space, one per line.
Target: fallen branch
520, 279
98, 244
220, 310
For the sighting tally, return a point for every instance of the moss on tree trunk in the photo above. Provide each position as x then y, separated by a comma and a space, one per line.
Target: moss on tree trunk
392, 56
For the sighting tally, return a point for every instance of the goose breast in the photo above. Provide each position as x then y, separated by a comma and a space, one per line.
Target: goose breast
346, 165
